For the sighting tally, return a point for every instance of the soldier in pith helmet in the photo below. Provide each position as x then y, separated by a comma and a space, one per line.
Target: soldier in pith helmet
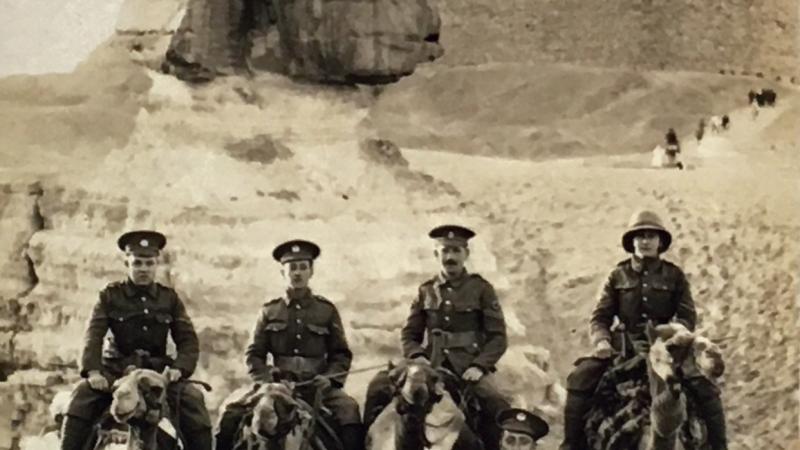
643, 287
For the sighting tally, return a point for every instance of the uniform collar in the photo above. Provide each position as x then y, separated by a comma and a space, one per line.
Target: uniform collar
640, 264
131, 289
441, 279
301, 296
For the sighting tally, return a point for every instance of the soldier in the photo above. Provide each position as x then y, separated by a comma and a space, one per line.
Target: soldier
140, 313
303, 333
460, 314
521, 429
641, 288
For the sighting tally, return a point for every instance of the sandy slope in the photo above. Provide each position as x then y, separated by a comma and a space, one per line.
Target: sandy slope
555, 227
538, 111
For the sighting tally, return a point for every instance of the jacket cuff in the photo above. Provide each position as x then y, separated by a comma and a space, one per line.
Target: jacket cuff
86, 369
186, 369
413, 353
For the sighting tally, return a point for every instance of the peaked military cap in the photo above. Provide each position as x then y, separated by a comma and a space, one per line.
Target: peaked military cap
452, 235
646, 220
296, 250
521, 421
142, 242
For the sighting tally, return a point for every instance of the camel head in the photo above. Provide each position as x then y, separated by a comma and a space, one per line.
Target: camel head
275, 411
139, 394
670, 346
419, 384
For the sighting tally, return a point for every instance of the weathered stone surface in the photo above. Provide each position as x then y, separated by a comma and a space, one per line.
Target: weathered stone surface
365, 41
369, 41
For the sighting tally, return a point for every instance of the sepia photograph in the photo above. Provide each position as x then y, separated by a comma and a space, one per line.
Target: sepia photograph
399, 224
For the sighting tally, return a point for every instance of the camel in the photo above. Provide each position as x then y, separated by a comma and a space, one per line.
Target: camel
641, 403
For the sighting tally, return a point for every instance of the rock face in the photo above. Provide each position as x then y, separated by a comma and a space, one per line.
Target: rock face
698, 35
371, 42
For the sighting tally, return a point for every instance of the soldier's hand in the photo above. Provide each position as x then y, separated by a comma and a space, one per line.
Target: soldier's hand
97, 381
173, 375
472, 374
603, 350
321, 383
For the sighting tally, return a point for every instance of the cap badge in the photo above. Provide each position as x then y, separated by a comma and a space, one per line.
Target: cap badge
144, 243
521, 417
451, 235
295, 248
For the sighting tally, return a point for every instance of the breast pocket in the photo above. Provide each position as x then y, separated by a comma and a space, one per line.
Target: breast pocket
277, 338
662, 305
468, 302
123, 323
629, 298
160, 327
317, 342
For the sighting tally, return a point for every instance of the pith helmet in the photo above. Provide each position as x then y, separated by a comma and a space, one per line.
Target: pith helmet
646, 220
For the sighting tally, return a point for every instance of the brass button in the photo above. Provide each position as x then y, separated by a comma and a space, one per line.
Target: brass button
146, 311
296, 351
144, 299
144, 327
298, 336
297, 306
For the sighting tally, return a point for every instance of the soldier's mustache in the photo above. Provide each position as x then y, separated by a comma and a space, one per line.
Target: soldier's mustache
450, 262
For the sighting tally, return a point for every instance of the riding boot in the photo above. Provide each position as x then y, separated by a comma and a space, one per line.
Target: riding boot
709, 405
75, 432
352, 437
715, 424
199, 439
577, 406
226, 429
491, 436
379, 394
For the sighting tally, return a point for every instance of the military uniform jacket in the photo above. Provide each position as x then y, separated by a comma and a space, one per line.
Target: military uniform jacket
303, 334
637, 291
466, 310
140, 318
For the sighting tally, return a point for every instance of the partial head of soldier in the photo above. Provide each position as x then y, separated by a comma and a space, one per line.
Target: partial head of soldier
646, 236
451, 247
142, 248
297, 262
521, 429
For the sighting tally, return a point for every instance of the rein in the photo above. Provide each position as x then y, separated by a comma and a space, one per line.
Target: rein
343, 373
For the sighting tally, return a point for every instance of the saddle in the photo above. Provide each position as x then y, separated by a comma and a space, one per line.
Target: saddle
325, 434
621, 409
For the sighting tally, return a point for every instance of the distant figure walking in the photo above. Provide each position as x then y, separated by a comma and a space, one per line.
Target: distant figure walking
673, 148
701, 129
